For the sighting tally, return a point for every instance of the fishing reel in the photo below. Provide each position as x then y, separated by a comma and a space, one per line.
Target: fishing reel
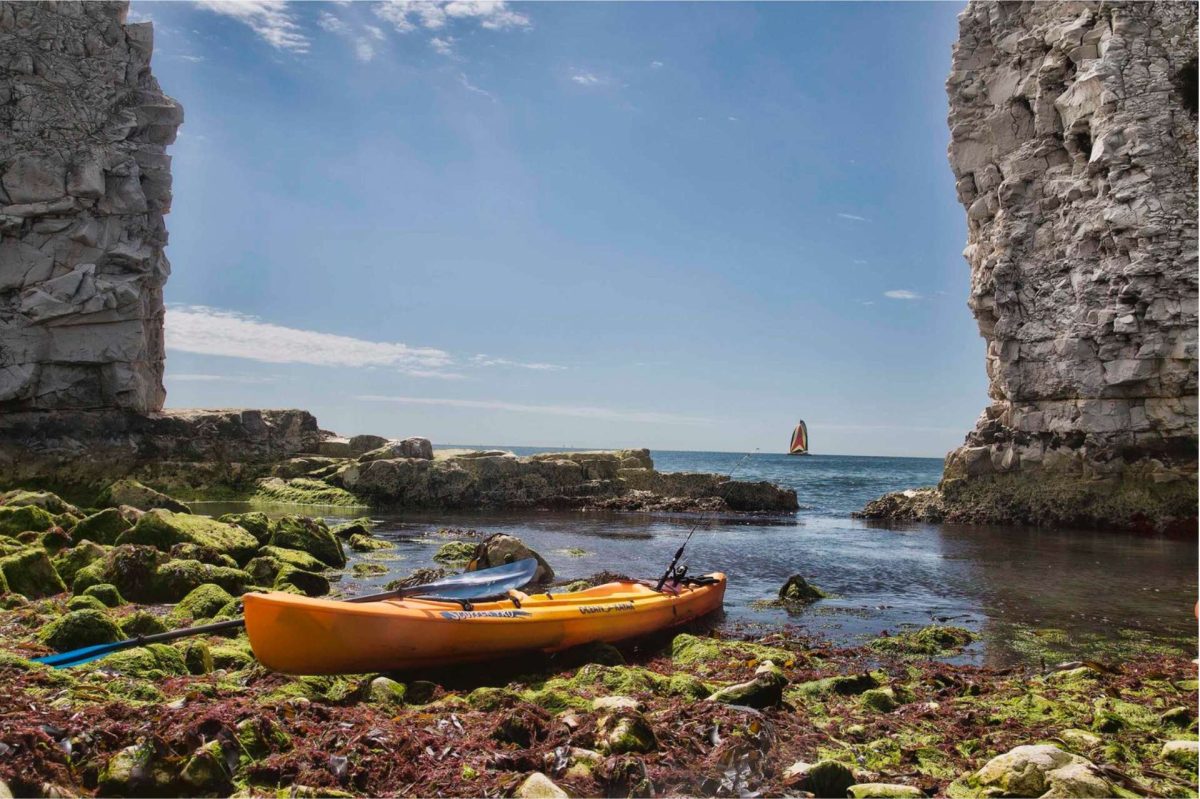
679, 574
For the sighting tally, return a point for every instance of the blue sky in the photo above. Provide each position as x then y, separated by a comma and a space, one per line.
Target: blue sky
680, 226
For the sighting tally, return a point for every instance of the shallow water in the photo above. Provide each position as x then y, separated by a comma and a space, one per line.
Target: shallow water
1077, 593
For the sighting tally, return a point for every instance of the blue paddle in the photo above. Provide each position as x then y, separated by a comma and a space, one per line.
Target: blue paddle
495, 581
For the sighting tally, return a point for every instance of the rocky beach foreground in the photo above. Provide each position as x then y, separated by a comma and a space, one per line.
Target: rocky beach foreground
687, 712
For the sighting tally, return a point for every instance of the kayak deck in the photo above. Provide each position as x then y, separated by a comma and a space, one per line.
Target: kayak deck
299, 635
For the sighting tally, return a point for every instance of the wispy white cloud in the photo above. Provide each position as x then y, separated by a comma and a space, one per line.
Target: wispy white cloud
854, 217
443, 45
471, 87
901, 294
656, 64
374, 32
195, 59
362, 41
203, 378
579, 411
585, 78
332, 23
488, 360
270, 19
209, 331
408, 15
860, 261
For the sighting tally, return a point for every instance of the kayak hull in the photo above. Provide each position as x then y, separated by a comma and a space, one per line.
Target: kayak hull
299, 635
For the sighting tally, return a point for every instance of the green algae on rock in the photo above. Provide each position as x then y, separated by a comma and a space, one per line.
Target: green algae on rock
454, 553
31, 573
934, 640
18, 519
80, 628
202, 602
137, 495
365, 543
308, 535
164, 529
103, 527
306, 582
303, 491
765, 690
257, 523
690, 650
83, 602
68, 562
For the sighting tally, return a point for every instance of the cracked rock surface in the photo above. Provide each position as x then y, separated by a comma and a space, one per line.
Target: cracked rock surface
1073, 145
84, 183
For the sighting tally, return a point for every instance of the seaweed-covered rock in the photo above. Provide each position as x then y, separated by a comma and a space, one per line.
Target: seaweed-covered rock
85, 603
499, 549
149, 662
934, 640
366, 543
368, 569
141, 622
454, 553
260, 737
263, 569
765, 690
303, 491
164, 529
360, 526
691, 650
232, 655
824, 778
190, 551
137, 771
106, 593
131, 492
623, 733
196, 656
386, 693
207, 772
45, 500
256, 523
202, 602
880, 700
308, 583
311, 536
538, 786
799, 591
177, 578
103, 527
31, 573
18, 519
132, 569
68, 562
1039, 770
1182, 753
80, 628
293, 557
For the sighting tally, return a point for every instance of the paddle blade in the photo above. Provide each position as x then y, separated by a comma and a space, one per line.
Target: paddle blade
85, 654
478, 584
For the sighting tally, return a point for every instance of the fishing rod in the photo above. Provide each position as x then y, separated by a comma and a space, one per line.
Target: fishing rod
679, 552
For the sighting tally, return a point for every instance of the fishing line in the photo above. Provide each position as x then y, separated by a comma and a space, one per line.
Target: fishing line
703, 517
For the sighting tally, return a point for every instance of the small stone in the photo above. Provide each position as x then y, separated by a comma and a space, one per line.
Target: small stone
105, 593
884, 790
624, 732
538, 786
765, 690
1080, 740
1181, 753
613, 703
386, 692
80, 628
825, 778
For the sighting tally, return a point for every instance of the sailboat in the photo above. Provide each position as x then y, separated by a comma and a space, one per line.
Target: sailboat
799, 445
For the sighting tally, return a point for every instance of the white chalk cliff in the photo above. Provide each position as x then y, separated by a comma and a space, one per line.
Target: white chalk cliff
84, 183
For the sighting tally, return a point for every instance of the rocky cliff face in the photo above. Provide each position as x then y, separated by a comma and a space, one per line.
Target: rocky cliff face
1073, 144
84, 184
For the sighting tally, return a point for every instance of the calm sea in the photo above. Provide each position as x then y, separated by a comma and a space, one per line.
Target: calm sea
1023, 591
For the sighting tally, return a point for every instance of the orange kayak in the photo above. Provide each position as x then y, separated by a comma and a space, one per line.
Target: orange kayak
299, 635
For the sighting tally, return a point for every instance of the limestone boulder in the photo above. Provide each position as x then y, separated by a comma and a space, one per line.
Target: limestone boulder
1034, 771
499, 549
164, 529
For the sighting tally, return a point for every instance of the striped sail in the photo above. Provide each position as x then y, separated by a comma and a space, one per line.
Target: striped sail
799, 444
